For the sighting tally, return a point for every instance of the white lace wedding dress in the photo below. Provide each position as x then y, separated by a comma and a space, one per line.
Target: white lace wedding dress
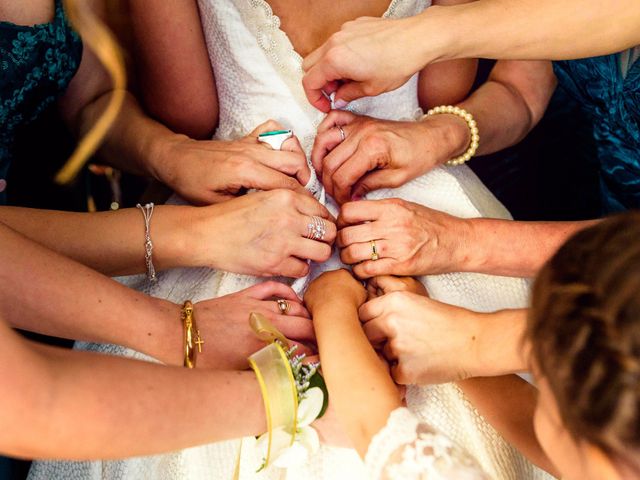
258, 77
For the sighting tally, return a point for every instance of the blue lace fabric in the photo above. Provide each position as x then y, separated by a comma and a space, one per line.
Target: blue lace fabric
37, 64
611, 101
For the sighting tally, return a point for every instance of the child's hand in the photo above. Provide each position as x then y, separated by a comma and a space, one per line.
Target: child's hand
381, 285
335, 285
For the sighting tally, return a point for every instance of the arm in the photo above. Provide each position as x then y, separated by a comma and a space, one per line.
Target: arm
360, 388
508, 403
379, 55
117, 407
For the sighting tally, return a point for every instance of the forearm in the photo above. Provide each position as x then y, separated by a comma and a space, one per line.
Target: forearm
360, 388
531, 29
517, 249
508, 403
110, 242
118, 407
135, 143
54, 295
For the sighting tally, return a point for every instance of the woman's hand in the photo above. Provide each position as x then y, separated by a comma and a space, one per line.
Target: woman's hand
262, 234
431, 342
368, 56
206, 172
410, 239
382, 153
335, 285
224, 324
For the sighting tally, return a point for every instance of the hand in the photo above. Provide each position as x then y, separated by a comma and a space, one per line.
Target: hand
224, 324
206, 172
378, 286
262, 234
332, 285
431, 342
410, 239
382, 153
368, 56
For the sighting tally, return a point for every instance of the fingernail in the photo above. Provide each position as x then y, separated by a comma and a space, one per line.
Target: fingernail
341, 103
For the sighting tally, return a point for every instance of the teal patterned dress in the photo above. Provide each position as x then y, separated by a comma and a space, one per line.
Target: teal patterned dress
37, 64
608, 88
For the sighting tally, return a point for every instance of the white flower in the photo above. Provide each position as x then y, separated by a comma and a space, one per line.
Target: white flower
283, 453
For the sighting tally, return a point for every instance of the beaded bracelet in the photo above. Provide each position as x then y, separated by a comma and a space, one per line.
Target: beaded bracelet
192, 338
473, 128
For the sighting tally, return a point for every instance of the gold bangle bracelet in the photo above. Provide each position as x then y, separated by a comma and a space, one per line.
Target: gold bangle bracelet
192, 338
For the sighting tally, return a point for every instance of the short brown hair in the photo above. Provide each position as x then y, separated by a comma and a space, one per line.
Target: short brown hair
584, 328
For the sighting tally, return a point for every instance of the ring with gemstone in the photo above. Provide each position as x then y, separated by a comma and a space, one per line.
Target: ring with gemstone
316, 228
283, 305
275, 138
374, 251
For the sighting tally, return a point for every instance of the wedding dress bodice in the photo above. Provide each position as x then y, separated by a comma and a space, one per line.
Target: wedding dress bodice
258, 76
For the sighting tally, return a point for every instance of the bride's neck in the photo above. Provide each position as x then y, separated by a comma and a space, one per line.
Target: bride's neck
309, 23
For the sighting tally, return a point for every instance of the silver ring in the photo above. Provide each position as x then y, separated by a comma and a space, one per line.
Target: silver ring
283, 305
316, 228
342, 134
275, 138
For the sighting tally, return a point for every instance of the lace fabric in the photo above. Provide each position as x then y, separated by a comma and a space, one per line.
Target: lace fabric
406, 449
258, 77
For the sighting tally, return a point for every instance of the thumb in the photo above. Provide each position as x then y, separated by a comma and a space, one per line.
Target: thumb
348, 92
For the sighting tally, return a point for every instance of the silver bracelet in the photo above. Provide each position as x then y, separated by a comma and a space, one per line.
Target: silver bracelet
147, 212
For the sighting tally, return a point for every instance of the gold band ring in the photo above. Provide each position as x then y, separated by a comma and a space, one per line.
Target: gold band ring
374, 251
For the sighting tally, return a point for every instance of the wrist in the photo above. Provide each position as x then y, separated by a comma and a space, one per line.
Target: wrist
447, 132
161, 157
501, 346
472, 255
171, 233
161, 336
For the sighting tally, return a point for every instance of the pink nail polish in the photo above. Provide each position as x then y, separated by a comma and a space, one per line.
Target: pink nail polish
341, 103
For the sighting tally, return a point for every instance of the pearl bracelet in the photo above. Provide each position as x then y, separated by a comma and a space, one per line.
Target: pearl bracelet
473, 128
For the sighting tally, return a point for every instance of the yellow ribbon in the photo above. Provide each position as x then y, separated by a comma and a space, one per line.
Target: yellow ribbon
276, 380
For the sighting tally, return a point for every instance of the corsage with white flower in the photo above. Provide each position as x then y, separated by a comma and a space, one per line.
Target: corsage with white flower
294, 395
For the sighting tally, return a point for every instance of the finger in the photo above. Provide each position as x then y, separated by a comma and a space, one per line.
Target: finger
372, 290
292, 267
398, 374
295, 309
330, 229
319, 78
375, 331
262, 177
311, 250
372, 309
376, 180
335, 118
374, 268
358, 212
269, 289
389, 352
350, 91
350, 172
295, 328
268, 126
302, 349
324, 143
336, 157
390, 283
292, 162
311, 207
292, 145
359, 252
364, 232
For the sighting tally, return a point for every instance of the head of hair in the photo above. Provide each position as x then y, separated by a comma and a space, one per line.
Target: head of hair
584, 328
96, 36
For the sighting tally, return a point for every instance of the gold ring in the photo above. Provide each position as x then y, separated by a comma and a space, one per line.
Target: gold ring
374, 251
284, 306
